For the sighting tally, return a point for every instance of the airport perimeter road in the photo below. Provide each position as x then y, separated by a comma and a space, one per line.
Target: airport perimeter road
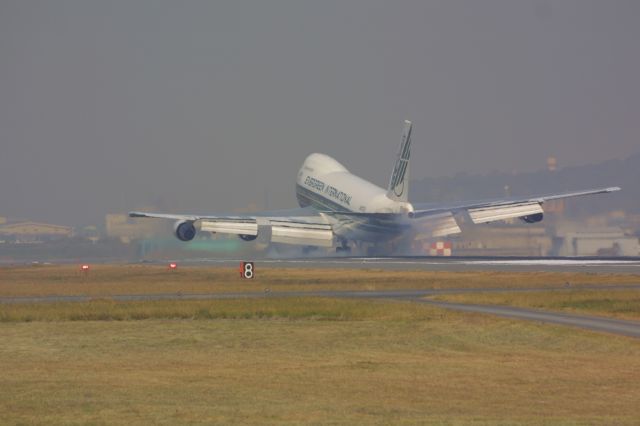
621, 327
607, 325
407, 294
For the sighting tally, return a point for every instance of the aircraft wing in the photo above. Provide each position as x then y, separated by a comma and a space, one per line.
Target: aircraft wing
486, 211
165, 216
301, 228
435, 220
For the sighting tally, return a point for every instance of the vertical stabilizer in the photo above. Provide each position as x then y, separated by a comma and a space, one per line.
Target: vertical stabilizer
399, 183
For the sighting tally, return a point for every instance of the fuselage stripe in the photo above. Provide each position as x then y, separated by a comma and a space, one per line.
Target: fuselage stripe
318, 200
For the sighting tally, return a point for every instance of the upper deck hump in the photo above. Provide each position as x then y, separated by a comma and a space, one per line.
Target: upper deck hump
322, 164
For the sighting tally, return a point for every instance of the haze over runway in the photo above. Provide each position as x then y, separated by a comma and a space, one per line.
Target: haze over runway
209, 107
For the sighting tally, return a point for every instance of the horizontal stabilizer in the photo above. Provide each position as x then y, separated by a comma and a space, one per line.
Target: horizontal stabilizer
436, 225
442, 224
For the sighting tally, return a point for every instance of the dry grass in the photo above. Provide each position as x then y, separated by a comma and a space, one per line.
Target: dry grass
320, 361
319, 309
106, 280
621, 304
399, 364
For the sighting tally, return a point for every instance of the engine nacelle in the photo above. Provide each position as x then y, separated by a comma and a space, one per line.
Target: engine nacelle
532, 218
184, 230
245, 237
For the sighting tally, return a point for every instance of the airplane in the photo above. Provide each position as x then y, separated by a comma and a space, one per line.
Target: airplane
341, 210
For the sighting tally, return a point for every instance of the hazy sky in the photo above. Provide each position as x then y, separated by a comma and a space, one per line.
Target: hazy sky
203, 106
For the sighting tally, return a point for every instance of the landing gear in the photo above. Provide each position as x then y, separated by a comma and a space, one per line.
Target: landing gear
378, 250
343, 248
372, 251
307, 250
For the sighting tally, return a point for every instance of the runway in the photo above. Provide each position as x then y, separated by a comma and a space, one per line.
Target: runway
512, 264
594, 323
586, 265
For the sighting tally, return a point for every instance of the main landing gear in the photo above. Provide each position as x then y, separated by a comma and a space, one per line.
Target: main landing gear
343, 248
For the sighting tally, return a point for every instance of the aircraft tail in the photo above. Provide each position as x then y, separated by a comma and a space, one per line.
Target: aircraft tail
399, 182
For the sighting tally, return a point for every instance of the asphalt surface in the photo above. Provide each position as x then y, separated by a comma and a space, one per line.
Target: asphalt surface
600, 324
588, 265
607, 325
611, 265
620, 265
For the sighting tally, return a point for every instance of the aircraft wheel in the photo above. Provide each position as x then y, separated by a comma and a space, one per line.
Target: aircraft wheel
308, 249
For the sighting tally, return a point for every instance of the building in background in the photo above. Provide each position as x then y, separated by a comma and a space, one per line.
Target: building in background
33, 232
501, 240
126, 229
601, 242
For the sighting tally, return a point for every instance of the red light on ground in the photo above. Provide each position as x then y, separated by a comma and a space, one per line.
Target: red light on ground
85, 267
173, 265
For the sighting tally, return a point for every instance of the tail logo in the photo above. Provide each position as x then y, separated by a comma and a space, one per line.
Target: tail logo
397, 179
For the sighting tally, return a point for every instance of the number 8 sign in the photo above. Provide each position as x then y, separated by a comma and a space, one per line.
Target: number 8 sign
246, 270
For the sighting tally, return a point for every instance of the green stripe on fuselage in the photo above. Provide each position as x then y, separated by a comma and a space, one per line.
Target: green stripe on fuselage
368, 224
318, 201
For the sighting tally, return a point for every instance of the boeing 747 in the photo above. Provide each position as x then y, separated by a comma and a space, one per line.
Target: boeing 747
339, 209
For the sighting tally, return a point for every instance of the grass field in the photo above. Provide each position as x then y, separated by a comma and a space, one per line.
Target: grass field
105, 280
619, 304
299, 360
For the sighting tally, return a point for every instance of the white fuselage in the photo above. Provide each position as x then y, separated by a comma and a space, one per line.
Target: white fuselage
328, 186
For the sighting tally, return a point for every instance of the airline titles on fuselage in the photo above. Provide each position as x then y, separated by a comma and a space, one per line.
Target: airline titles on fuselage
329, 190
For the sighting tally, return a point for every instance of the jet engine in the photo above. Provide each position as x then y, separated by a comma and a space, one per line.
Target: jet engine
532, 218
185, 230
245, 237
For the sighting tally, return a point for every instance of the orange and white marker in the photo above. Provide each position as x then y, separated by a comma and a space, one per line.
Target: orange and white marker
440, 248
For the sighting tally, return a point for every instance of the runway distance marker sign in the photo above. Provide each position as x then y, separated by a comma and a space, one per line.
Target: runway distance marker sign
247, 270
